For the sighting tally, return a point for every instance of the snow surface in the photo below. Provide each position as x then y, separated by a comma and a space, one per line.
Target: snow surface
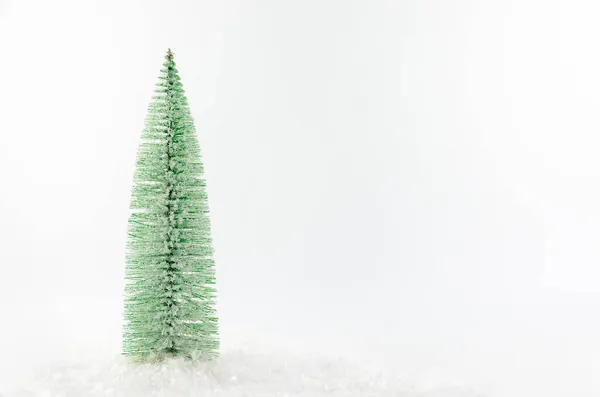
238, 372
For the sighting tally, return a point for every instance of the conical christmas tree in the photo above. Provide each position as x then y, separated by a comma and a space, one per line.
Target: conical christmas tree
170, 276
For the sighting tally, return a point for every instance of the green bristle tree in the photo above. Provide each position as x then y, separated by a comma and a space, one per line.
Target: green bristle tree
170, 277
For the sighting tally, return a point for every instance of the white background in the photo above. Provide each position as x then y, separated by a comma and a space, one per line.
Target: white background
418, 180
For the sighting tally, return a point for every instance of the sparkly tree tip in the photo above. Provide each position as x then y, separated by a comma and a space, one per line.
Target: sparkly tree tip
169, 54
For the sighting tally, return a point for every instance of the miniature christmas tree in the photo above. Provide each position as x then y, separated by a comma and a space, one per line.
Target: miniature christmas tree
170, 293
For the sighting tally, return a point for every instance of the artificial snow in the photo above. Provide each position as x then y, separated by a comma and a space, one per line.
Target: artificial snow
237, 373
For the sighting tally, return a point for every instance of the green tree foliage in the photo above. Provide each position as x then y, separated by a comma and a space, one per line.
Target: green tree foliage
170, 275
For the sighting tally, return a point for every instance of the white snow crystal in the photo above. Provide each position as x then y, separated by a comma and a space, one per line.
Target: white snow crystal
236, 373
